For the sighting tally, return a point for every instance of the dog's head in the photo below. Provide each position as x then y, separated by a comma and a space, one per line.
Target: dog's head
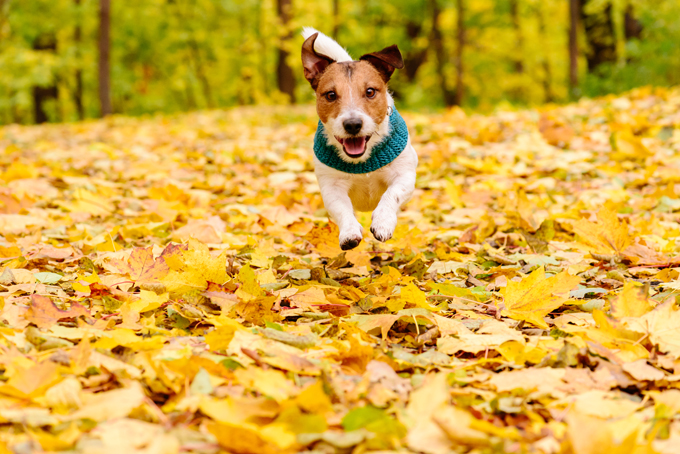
351, 97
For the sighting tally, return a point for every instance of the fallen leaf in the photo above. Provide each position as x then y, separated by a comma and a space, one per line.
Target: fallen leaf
536, 296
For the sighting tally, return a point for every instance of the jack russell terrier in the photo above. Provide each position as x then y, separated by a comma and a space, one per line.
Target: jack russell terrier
363, 158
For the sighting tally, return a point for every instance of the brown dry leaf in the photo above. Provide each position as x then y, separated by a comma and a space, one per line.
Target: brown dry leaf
142, 267
642, 371
44, 313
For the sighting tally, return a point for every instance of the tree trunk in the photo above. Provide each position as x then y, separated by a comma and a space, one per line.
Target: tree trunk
460, 38
574, 12
414, 59
201, 74
633, 27
519, 43
286, 78
104, 57
599, 28
336, 18
547, 74
77, 38
46, 43
4, 13
440, 52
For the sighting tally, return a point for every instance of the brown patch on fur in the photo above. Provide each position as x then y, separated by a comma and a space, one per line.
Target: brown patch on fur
349, 81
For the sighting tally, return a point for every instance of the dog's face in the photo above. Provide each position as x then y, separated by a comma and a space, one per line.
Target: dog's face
351, 97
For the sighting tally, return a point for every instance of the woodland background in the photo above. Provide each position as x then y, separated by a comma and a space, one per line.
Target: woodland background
64, 60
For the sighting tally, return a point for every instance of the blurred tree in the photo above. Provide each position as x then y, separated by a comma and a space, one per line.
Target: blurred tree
460, 44
448, 95
599, 32
518, 53
77, 38
416, 56
284, 72
176, 55
336, 18
104, 57
547, 81
574, 14
42, 94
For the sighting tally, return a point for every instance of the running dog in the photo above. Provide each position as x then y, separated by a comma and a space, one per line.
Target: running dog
363, 158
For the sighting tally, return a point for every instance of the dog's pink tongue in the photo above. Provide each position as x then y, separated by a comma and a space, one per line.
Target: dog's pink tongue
354, 146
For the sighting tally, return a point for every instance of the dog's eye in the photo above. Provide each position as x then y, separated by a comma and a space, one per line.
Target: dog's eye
370, 92
331, 96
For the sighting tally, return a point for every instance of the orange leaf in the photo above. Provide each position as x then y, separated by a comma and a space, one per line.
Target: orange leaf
142, 267
44, 313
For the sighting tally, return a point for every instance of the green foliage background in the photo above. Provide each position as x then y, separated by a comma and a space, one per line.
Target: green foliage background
177, 55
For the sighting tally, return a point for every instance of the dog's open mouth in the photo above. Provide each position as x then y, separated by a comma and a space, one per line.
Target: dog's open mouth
354, 146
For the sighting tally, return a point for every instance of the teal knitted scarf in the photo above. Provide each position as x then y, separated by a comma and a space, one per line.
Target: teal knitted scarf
382, 153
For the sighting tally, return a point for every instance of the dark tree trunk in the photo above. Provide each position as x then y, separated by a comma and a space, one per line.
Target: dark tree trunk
519, 43
633, 27
78, 94
104, 57
285, 76
460, 38
336, 18
547, 74
415, 58
574, 13
440, 52
601, 39
45, 43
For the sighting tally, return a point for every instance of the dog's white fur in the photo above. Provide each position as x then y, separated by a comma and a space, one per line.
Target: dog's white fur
383, 191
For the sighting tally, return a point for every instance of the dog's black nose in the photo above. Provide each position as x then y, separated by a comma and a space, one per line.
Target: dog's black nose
353, 125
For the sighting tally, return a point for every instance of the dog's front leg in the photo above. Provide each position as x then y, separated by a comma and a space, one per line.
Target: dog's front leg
384, 218
339, 206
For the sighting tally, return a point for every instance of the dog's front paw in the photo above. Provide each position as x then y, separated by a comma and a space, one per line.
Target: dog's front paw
350, 240
383, 226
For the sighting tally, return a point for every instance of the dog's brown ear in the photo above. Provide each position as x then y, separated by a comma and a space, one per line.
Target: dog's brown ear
313, 63
385, 61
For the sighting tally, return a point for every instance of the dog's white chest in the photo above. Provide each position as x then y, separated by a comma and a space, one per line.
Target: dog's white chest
365, 190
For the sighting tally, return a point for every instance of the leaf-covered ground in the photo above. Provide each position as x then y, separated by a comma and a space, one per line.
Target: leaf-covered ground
173, 285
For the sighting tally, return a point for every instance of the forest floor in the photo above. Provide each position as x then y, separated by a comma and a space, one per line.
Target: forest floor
172, 284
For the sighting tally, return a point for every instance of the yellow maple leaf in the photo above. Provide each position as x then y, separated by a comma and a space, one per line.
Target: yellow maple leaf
314, 399
536, 296
413, 295
606, 236
220, 338
631, 302
662, 324
250, 288
628, 146
325, 240
192, 267
241, 438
